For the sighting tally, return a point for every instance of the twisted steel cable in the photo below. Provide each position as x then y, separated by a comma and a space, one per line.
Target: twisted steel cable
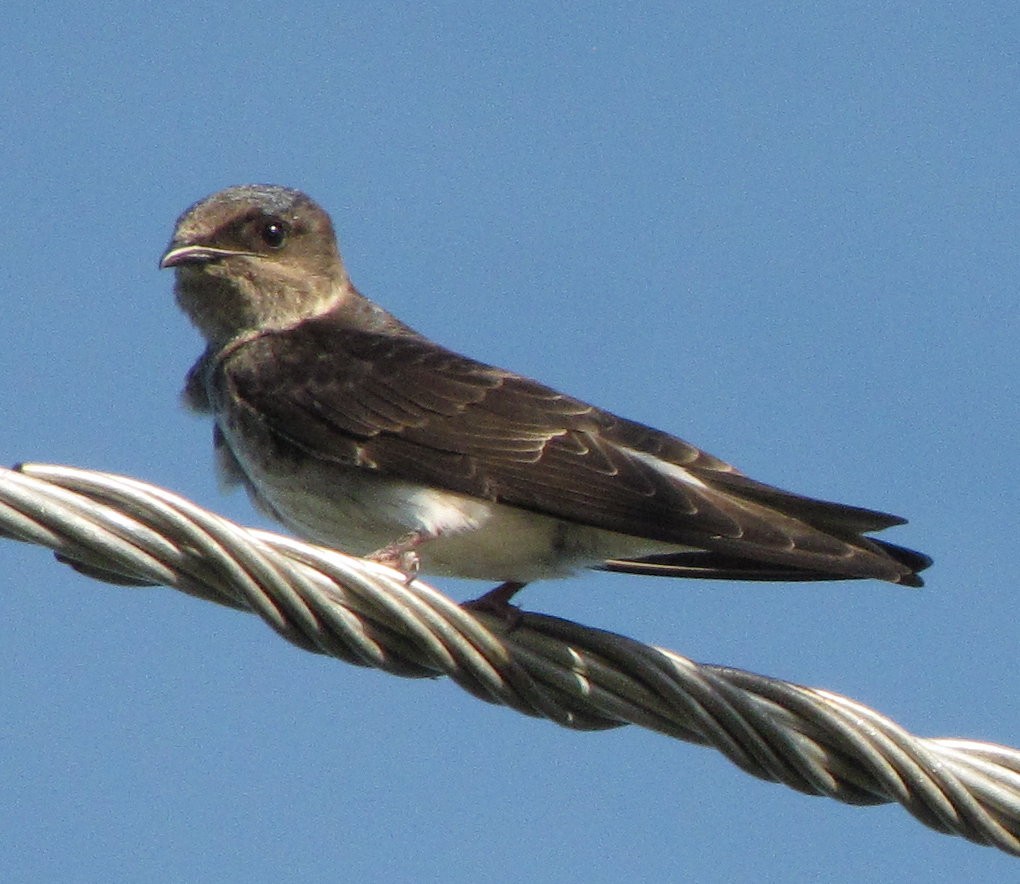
125, 531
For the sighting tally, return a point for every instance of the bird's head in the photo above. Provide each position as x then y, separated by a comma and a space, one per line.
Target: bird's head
254, 257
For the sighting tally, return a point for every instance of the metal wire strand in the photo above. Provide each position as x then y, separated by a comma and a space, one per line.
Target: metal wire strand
128, 532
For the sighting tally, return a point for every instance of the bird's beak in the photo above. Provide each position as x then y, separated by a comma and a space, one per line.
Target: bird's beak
177, 255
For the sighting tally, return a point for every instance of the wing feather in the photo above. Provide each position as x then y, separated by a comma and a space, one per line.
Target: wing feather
411, 409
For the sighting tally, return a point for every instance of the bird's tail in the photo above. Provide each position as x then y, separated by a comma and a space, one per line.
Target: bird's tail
829, 544
710, 565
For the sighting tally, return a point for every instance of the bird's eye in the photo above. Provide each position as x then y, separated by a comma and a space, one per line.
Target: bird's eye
274, 233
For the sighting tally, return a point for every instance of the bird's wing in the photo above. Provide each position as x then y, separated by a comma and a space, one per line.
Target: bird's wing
413, 410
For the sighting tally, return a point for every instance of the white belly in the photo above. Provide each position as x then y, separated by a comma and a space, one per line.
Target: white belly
357, 511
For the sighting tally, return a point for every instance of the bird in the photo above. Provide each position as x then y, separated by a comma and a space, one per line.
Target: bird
359, 433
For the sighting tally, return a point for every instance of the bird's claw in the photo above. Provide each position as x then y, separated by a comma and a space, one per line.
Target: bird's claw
497, 601
401, 555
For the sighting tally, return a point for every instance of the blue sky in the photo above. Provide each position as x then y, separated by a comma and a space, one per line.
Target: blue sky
787, 234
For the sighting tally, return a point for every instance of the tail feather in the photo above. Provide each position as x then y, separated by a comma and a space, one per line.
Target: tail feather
713, 565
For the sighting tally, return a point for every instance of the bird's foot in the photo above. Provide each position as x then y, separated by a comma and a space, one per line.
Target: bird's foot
402, 555
497, 601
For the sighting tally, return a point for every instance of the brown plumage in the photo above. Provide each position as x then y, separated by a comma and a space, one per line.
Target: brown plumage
357, 431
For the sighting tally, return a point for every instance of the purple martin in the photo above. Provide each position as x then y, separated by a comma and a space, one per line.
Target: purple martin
360, 433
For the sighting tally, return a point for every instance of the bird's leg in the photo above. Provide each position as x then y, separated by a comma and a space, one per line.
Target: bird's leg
497, 601
402, 554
